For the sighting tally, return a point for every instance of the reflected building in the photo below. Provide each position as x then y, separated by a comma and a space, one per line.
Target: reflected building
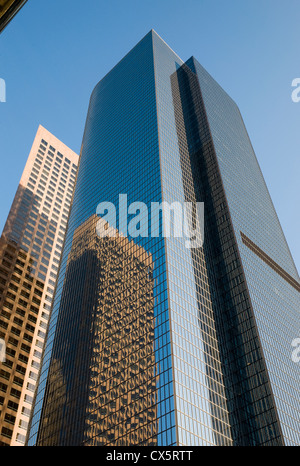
30, 250
20, 298
224, 313
101, 388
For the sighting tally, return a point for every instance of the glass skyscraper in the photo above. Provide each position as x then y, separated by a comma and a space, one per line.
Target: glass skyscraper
151, 342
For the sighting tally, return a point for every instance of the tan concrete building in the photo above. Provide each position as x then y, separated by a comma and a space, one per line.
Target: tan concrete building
30, 250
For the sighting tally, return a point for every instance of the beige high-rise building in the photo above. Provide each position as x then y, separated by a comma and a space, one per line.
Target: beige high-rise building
30, 251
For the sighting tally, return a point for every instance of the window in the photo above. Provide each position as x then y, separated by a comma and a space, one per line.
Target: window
26, 411
30, 387
18, 381
12, 405
28, 399
23, 425
21, 438
10, 418
25, 348
15, 393
3, 387
35, 364
6, 432
33, 375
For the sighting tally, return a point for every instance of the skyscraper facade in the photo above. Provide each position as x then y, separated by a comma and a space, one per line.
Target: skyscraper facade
30, 250
197, 349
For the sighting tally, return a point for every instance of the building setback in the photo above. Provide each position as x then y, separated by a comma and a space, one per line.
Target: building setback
224, 315
30, 251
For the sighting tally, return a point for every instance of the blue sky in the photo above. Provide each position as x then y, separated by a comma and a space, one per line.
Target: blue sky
54, 52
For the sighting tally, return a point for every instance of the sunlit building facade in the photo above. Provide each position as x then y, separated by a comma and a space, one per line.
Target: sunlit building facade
30, 250
215, 321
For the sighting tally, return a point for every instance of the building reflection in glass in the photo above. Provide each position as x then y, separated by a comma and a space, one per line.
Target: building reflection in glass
101, 388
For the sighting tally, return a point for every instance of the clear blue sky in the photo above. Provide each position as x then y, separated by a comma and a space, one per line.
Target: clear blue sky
54, 52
